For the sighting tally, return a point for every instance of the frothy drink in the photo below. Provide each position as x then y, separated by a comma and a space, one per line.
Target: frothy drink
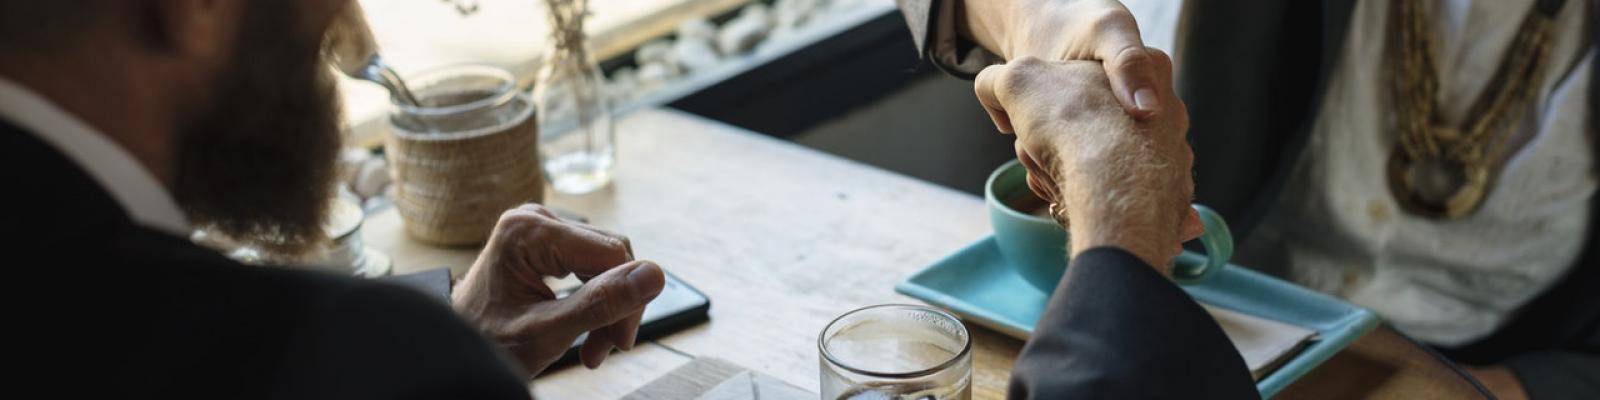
886, 346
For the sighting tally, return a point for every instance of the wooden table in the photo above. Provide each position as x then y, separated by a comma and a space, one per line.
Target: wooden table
784, 238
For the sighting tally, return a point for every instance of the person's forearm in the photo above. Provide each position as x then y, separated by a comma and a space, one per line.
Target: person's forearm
982, 22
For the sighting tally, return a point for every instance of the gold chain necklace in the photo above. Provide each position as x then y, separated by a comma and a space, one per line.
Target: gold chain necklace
1442, 171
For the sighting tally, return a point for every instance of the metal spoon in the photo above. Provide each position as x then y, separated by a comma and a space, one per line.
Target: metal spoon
352, 48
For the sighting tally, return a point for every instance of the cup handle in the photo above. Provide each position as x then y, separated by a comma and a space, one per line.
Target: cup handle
1192, 268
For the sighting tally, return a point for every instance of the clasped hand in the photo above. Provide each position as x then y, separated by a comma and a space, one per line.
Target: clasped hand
1122, 182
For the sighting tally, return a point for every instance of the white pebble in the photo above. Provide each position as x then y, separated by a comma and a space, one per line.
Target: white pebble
659, 50
744, 32
696, 54
698, 27
373, 177
350, 160
653, 75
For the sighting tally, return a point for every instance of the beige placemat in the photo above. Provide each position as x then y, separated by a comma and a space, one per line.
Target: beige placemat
1265, 344
708, 378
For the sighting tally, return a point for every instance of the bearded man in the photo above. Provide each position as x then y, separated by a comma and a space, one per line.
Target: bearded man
130, 122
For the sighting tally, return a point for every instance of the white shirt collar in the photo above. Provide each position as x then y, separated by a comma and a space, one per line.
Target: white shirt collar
133, 186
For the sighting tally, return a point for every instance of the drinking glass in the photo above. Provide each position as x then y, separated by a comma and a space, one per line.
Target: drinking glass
896, 351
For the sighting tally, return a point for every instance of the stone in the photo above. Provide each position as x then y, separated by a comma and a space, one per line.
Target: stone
372, 178
745, 32
623, 86
659, 51
697, 28
654, 75
350, 160
696, 53
794, 13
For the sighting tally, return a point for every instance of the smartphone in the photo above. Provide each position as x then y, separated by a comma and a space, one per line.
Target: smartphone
678, 306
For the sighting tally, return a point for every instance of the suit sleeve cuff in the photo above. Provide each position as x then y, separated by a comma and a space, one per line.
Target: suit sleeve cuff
434, 283
953, 54
933, 30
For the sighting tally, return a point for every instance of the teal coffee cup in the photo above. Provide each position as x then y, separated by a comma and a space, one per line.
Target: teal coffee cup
1036, 246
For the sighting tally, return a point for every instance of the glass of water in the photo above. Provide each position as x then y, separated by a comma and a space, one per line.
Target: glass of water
896, 351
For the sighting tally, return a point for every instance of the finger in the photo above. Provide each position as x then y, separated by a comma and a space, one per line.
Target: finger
625, 333
1037, 188
986, 85
538, 209
1192, 227
1041, 183
607, 299
1168, 92
1161, 66
626, 244
1128, 65
594, 351
557, 248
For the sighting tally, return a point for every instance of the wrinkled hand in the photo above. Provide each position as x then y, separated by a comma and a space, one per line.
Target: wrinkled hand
1064, 30
1122, 182
504, 293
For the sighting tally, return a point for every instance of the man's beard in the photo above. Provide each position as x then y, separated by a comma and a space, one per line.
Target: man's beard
257, 165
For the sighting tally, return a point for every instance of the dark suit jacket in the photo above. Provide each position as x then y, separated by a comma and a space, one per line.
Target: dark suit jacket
137, 313
1253, 76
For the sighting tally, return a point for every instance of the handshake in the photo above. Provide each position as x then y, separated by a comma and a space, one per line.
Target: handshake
1112, 179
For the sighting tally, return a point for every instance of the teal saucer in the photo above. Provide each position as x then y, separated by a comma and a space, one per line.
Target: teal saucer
977, 284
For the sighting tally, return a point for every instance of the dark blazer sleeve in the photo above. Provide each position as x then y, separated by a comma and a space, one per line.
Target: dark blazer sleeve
374, 340
435, 282
1115, 329
1558, 375
933, 29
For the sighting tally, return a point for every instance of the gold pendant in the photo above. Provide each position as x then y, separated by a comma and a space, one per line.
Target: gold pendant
1436, 187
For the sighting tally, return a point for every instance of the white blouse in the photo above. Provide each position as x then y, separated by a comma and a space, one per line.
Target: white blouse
1445, 282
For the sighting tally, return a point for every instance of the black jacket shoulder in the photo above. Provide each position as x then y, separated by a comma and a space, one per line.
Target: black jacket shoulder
135, 313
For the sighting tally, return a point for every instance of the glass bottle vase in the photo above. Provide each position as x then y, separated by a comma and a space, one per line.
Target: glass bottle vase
577, 145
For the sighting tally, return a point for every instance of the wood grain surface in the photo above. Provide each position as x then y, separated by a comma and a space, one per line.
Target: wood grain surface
783, 239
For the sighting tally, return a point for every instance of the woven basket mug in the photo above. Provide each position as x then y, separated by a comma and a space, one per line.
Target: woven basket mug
468, 153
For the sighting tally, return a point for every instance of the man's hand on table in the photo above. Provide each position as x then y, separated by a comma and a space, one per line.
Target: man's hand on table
1064, 30
1123, 183
505, 296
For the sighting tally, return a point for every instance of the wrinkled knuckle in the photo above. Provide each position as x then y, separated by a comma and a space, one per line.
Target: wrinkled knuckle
625, 245
1011, 81
1160, 58
609, 301
538, 232
511, 216
514, 219
1132, 59
1112, 19
1027, 62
